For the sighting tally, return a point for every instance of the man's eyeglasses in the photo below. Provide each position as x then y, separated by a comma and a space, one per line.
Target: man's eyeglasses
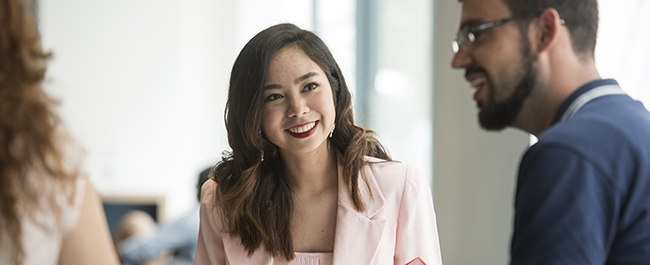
467, 34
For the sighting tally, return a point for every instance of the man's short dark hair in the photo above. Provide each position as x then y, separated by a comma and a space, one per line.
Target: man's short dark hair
580, 16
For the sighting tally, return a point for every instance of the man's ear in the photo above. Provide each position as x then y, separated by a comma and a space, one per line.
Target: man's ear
548, 26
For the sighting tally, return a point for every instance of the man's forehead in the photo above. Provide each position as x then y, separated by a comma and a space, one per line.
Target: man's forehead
480, 11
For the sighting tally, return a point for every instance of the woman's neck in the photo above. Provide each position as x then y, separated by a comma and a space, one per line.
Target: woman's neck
313, 172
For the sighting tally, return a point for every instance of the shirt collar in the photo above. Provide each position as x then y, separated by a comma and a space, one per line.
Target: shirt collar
583, 89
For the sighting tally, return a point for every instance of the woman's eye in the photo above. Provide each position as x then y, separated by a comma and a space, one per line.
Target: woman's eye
273, 97
310, 87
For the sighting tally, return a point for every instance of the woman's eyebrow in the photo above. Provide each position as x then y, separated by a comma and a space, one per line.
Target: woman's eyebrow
272, 86
298, 80
305, 76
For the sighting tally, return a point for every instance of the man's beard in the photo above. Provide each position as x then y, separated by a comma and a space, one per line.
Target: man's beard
496, 115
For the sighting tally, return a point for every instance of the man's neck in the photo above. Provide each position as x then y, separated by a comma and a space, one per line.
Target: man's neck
558, 80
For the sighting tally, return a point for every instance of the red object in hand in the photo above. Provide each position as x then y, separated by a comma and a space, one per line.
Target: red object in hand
416, 261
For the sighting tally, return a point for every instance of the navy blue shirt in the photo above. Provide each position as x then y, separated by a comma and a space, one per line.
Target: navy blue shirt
583, 190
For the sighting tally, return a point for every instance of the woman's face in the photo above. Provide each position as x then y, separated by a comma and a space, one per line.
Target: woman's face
298, 109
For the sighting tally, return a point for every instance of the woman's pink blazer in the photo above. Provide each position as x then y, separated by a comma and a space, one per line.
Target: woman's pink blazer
398, 225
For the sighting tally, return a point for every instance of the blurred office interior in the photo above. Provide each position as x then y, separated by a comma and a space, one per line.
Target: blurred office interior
143, 85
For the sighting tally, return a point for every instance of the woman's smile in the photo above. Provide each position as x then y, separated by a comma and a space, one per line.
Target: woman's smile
303, 130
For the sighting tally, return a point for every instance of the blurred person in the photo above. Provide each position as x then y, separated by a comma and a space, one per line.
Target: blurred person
140, 240
583, 190
304, 184
49, 212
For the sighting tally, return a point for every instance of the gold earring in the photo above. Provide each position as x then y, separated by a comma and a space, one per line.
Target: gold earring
261, 148
262, 154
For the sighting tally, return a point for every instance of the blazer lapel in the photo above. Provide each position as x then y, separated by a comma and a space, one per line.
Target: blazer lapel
357, 234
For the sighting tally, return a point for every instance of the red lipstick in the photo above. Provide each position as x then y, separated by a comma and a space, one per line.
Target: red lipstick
303, 134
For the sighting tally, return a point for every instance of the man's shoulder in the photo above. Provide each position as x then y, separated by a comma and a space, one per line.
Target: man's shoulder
608, 134
614, 119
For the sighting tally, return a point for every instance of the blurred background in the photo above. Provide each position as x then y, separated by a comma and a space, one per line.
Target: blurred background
143, 85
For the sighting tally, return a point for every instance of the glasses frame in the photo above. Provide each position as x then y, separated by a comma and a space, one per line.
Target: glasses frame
466, 35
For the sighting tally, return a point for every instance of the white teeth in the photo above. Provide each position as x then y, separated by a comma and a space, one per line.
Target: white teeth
303, 128
478, 82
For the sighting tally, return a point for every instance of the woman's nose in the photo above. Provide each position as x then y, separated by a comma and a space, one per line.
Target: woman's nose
297, 107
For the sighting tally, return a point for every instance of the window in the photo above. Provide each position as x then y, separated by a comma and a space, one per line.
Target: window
622, 49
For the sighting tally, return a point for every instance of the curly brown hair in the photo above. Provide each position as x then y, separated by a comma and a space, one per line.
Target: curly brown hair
254, 196
28, 124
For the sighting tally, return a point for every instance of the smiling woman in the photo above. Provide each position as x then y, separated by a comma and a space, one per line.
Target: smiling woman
298, 112
303, 182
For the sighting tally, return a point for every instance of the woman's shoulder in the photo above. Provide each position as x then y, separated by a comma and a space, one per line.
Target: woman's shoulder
382, 167
208, 206
60, 197
208, 187
392, 173
208, 191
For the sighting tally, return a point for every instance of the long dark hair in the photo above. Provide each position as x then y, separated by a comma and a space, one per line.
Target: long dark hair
29, 132
254, 196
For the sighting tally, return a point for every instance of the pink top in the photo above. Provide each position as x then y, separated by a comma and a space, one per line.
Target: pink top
309, 259
397, 225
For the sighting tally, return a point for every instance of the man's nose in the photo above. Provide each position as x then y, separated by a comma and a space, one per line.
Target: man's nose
461, 59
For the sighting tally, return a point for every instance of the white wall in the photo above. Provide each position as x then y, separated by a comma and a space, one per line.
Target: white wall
474, 170
143, 84
400, 107
622, 48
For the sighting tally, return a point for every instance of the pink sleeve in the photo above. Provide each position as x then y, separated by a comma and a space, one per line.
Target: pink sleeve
417, 231
209, 249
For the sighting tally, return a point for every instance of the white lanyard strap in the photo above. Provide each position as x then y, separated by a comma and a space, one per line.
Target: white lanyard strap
589, 96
